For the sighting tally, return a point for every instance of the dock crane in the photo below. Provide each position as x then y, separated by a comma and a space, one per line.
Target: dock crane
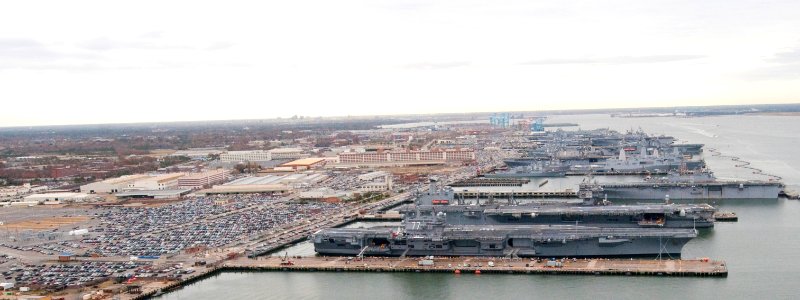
285, 261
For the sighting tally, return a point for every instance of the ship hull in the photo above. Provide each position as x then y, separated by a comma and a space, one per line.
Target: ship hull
612, 221
522, 175
659, 168
522, 241
520, 162
596, 247
688, 192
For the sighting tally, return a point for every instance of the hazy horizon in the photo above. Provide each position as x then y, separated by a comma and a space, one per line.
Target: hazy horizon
577, 111
97, 62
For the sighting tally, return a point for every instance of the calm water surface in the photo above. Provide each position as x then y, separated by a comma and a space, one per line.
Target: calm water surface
762, 250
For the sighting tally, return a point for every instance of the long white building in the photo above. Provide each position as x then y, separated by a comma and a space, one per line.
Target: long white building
204, 179
133, 183
262, 155
57, 198
287, 153
242, 156
440, 155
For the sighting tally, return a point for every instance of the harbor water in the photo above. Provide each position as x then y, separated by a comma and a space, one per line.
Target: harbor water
762, 249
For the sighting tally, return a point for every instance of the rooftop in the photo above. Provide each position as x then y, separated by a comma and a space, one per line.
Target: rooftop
58, 195
304, 161
154, 193
204, 174
124, 179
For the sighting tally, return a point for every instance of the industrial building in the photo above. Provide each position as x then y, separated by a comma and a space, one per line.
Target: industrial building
287, 153
157, 182
439, 156
204, 179
111, 185
377, 181
133, 182
275, 184
262, 155
242, 156
373, 175
154, 194
57, 198
377, 186
302, 164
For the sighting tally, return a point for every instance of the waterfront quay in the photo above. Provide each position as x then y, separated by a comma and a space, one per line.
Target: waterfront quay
483, 265
458, 266
467, 194
490, 182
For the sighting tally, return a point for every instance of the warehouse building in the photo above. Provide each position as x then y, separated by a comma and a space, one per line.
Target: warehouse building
439, 156
111, 185
302, 164
57, 198
133, 182
274, 184
205, 179
262, 155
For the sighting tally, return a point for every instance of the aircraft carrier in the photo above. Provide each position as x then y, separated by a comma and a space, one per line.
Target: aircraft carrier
605, 151
589, 212
645, 215
677, 188
432, 236
538, 169
437, 224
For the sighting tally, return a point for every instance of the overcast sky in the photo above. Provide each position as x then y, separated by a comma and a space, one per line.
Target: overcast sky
79, 62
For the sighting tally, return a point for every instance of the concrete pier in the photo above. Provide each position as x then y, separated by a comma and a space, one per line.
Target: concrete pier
625, 267
480, 181
726, 216
458, 266
517, 194
789, 194
617, 173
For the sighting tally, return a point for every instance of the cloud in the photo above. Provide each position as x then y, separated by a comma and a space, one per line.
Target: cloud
105, 44
26, 49
220, 46
438, 65
152, 35
406, 5
782, 71
16, 50
782, 65
617, 60
64, 67
791, 56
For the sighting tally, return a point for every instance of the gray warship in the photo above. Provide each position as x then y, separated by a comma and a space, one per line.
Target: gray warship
683, 187
588, 212
537, 169
436, 225
423, 236
641, 162
603, 151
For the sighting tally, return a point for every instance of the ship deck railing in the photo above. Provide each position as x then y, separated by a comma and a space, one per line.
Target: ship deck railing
567, 232
684, 184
